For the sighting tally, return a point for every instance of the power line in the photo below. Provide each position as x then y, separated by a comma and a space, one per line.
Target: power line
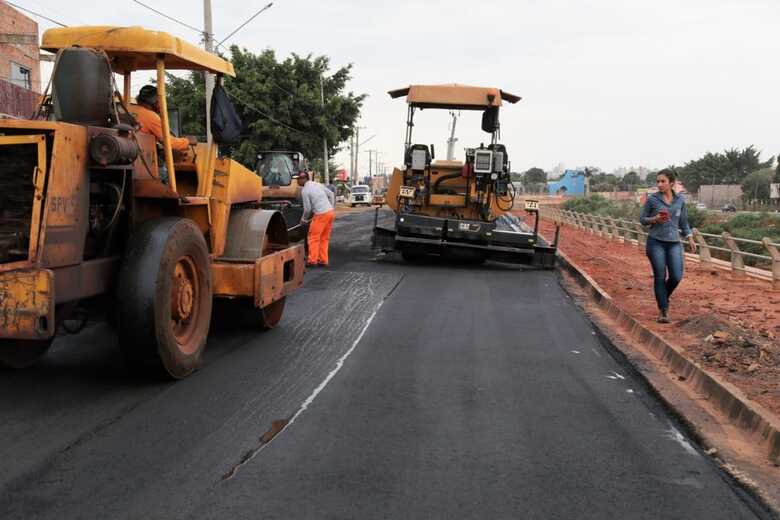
220, 44
171, 18
244, 102
243, 24
270, 118
36, 14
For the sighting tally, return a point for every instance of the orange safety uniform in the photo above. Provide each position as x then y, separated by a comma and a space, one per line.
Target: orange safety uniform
319, 201
151, 124
319, 237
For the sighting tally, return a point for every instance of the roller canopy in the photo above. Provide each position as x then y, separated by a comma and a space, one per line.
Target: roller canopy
461, 97
136, 48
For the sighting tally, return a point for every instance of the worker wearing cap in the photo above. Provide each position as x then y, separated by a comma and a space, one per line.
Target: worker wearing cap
146, 113
318, 204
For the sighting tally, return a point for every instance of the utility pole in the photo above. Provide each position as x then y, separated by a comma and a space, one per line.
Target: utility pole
324, 139
357, 157
373, 160
208, 42
352, 155
452, 140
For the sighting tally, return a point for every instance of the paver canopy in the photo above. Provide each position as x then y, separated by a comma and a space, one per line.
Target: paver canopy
461, 97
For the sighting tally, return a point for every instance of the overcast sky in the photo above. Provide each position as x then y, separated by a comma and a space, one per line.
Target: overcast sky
607, 83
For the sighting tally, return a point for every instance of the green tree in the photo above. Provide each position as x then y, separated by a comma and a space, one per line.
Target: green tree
630, 181
188, 95
535, 176
278, 102
729, 167
534, 180
777, 169
756, 185
601, 182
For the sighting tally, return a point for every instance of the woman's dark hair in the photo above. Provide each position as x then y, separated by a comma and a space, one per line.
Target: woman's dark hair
669, 174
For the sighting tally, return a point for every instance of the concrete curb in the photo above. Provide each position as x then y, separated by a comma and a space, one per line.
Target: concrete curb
761, 425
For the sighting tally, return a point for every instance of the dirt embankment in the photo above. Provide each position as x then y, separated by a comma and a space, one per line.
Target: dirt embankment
730, 326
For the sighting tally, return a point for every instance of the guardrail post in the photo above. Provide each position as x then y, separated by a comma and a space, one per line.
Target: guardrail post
603, 227
606, 231
704, 248
616, 230
737, 263
775, 254
577, 220
640, 235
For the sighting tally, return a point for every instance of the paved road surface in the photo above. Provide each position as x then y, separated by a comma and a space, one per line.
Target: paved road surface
410, 391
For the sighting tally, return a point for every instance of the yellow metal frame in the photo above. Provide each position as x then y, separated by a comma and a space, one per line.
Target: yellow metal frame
166, 126
39, 181
136, 48
264, 280
463, 97
26, 297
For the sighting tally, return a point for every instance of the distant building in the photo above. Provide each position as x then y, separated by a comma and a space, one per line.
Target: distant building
572, 182
717, 195
20, 70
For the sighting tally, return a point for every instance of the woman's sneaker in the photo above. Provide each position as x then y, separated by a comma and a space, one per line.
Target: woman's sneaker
664, 317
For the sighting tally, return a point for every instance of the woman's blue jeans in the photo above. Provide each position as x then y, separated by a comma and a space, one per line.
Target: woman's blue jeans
665, 257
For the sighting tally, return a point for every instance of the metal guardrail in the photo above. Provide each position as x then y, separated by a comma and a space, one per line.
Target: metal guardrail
633, 232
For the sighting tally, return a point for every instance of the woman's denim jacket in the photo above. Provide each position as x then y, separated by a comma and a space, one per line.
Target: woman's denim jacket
670, 230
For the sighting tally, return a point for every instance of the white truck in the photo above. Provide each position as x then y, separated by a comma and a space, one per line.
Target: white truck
360, 194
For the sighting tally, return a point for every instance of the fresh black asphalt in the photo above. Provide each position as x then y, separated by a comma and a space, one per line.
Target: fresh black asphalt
414, 390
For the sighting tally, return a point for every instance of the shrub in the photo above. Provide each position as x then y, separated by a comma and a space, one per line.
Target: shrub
696, 217
752, 226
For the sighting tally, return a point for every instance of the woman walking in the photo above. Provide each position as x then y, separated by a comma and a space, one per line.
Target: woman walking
667, 216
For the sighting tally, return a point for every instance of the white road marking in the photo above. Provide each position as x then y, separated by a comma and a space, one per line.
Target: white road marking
575, 352
340, 363
675, 435
309, 400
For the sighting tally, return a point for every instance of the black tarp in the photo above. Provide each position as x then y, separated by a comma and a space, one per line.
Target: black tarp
225, 123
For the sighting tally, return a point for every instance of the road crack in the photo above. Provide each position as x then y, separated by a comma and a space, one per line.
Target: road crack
276, 428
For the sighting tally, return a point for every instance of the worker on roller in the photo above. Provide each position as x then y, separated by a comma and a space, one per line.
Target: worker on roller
318, 204
146, 112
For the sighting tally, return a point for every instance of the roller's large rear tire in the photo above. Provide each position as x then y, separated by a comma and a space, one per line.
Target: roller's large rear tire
165, 298
20, 353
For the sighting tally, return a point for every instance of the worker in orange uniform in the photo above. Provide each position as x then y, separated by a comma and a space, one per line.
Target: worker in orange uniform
318, 204
146, 113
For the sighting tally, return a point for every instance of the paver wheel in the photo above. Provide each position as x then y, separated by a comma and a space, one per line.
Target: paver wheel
165, 298
20, 353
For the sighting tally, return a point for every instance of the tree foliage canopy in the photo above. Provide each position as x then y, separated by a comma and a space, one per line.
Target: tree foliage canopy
756, 185
630, 181
729, 167
535, 176
278, 101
